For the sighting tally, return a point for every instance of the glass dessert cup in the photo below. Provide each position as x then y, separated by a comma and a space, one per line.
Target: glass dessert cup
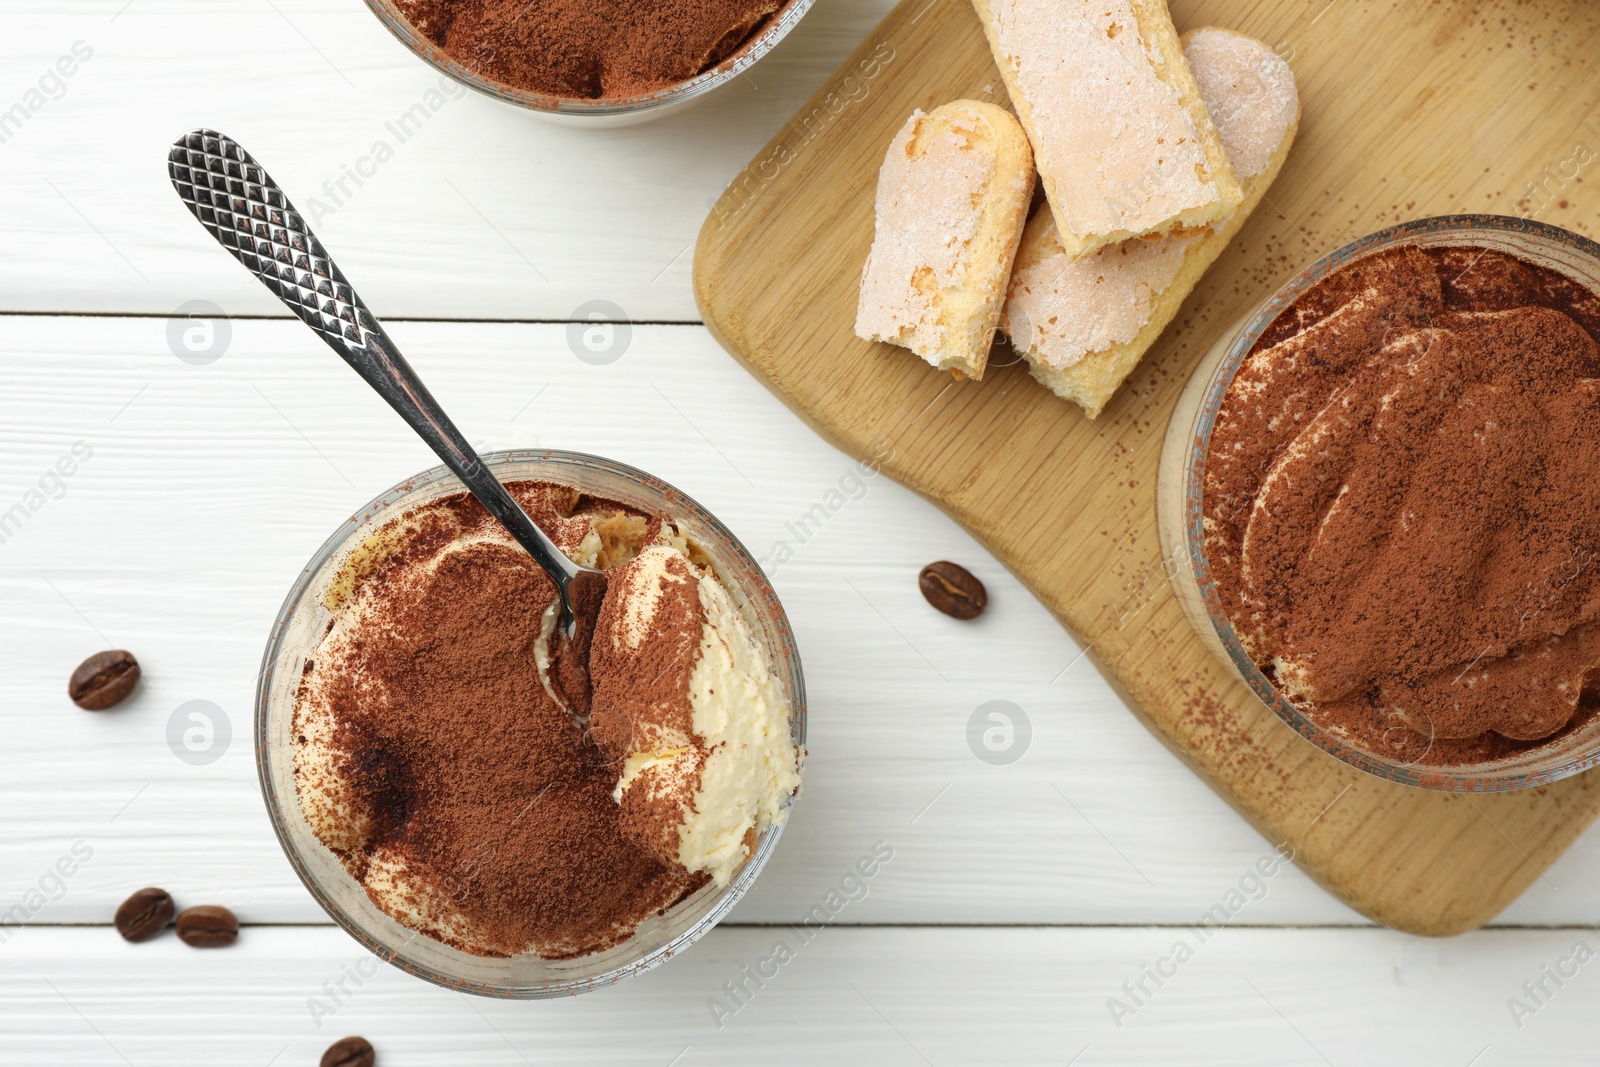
1180, 504
598, 114
300, 625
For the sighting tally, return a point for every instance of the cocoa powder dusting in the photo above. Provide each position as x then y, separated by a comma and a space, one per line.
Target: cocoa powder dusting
485, 788
590, 49
1402, 504
641, 700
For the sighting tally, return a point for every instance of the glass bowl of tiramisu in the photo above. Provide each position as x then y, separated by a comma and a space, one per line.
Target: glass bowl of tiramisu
498, 808
1380, 500
599, 63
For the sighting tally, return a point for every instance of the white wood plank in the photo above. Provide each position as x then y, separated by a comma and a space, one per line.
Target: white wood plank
1246, 998
209, 487
487, 212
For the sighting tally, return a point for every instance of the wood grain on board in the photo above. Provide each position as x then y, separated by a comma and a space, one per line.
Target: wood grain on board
1410, 110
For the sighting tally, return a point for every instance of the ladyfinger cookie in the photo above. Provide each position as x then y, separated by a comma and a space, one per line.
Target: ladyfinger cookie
1083, 324
1124, 145
953, 196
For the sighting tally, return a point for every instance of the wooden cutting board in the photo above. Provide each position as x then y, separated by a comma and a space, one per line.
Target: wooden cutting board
1410, 109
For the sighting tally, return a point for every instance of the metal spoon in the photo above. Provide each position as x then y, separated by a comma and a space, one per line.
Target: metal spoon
243, 208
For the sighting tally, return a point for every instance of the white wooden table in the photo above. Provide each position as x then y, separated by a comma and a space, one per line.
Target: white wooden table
1021, 897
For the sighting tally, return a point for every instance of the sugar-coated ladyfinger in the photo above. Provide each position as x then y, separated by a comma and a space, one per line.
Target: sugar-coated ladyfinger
953, 196
1122, 139
1083, 324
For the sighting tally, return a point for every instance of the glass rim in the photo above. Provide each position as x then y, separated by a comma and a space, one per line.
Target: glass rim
279, 808
1437, 230
545, 103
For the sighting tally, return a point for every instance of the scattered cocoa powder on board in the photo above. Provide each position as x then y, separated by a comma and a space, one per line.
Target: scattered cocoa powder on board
590, 49
1403, 501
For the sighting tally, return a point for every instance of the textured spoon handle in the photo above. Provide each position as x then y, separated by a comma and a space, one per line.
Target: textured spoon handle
243, 208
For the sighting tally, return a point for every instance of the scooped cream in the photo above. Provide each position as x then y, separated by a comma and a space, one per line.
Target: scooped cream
686, 703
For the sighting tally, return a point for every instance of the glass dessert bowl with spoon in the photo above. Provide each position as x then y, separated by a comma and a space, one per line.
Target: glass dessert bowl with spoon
529, 723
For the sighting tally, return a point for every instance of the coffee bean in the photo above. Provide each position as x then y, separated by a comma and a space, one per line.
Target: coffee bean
349, 1052
953, 590
104, 679
144, 915
207, 926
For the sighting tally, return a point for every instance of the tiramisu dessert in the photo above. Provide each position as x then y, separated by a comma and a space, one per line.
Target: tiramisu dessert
591, 49
437, 757
1402, 504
